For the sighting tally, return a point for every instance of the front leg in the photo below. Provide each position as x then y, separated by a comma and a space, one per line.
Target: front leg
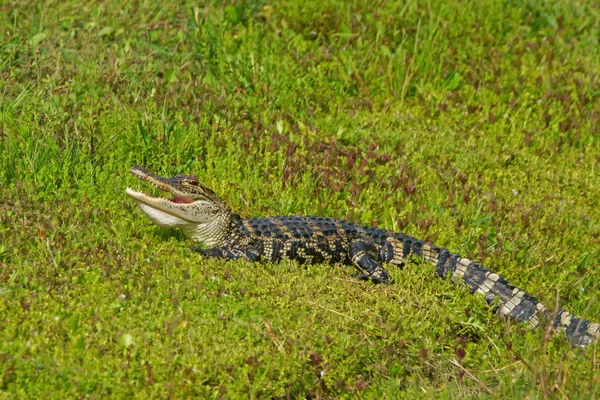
364, 255
249, 253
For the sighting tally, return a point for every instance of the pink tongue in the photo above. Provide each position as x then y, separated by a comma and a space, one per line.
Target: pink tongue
182, 200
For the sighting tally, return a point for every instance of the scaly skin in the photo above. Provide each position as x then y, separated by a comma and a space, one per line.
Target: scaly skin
205, 218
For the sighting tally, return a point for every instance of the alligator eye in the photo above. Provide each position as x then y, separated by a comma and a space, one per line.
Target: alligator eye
192, 183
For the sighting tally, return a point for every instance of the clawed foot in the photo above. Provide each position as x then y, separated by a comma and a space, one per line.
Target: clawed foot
214, 252
382, 278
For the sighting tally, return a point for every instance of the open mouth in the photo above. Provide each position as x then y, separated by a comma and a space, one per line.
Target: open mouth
175, 199
176, 208
164, 188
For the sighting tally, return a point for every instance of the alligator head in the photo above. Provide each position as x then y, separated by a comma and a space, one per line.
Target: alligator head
195, 209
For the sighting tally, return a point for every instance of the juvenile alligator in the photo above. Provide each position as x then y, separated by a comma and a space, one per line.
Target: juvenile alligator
205, 218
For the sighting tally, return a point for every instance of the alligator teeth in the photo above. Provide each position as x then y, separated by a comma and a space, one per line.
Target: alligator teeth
161, 188
174, 198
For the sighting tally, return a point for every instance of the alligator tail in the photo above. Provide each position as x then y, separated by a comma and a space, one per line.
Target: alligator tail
512, 302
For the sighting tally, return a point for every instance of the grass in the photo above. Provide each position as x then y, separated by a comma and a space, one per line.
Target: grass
473, 126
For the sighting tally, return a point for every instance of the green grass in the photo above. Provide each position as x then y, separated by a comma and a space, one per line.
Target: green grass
474, 125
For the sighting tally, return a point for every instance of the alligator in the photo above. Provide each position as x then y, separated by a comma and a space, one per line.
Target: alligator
203, 217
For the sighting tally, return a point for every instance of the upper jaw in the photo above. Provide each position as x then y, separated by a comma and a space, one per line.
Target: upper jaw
160, 183
145, 175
